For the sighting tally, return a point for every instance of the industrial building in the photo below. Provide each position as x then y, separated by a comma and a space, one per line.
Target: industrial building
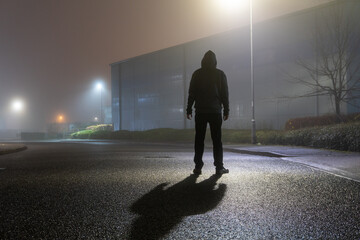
150, 91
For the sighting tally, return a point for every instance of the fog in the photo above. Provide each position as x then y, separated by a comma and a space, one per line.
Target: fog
52, 52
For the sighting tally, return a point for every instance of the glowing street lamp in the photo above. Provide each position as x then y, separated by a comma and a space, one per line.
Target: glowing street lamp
61, 126
99, 87
253, 128
17, 105
60, 118
231, 5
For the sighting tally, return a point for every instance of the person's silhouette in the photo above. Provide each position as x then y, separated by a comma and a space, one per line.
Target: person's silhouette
209, 91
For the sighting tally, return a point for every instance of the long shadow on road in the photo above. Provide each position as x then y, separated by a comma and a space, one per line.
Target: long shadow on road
163, 208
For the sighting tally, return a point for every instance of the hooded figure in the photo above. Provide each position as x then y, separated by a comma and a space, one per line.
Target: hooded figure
209, 60
209, 90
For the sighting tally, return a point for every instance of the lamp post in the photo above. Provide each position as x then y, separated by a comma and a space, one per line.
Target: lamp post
61, 121
253, 127
99, 87
17, 106
231, 5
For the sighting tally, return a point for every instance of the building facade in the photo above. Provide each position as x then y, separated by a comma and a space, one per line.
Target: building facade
150, 91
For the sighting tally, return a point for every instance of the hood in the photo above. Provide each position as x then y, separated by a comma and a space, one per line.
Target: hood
209, 60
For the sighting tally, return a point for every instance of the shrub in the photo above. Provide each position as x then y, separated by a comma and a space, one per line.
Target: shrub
305, 122
344, 136
84, 134
105, 127
100, 134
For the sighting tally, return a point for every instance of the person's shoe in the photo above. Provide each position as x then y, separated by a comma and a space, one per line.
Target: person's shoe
222, 171
197, 171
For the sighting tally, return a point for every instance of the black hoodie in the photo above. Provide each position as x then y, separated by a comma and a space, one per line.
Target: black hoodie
208, 88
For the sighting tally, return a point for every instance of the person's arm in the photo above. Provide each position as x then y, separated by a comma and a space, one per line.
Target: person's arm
191, 97
225, 96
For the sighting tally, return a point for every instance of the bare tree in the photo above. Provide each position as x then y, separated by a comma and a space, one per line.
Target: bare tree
336, 70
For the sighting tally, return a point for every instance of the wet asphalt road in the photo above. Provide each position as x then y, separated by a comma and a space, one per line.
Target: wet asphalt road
117, 190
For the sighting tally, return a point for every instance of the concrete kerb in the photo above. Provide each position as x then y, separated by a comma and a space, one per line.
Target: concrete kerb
257, 153
341, 164
11, 148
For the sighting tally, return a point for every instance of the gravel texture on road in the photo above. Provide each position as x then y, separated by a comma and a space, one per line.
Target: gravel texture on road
143, 191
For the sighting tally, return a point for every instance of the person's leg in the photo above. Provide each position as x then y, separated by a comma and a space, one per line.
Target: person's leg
215, 128
200, 131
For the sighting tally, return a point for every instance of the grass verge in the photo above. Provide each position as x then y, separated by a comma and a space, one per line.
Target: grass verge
345, 137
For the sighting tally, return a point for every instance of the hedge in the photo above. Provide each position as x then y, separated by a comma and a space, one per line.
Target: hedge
105, 127
84, 134
345, 137
306, 122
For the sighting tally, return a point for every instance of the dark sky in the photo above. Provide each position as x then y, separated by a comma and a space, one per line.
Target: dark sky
53, 51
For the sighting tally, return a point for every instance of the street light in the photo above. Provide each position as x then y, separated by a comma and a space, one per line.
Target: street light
99, 87
253, 127
17, 105
61, 124
60, 118
231, 5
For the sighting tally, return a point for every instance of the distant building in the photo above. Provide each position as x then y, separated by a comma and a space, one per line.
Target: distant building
150, 91
107, 115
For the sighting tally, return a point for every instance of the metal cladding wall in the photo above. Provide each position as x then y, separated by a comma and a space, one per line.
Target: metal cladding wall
150, 91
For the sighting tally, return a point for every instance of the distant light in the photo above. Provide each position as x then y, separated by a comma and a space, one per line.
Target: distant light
96, 119
99, 86
230, 5
17, 105
60, 118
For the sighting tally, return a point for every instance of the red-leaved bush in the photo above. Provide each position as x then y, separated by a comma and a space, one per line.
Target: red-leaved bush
305, 122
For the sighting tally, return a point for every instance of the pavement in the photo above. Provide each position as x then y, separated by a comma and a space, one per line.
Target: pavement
339, 163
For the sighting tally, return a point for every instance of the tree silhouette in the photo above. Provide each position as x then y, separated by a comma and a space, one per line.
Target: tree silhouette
336, 43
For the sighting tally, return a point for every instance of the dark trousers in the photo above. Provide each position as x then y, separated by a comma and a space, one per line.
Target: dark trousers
215, 122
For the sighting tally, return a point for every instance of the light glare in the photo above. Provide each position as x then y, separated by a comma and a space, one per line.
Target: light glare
99, 86
230, 5
60, 118
17, 105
